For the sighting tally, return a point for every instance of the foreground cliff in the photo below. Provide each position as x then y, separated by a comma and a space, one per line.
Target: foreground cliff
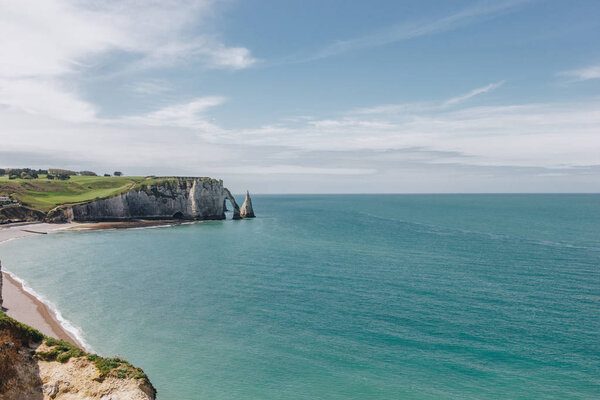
36, 367
166, 198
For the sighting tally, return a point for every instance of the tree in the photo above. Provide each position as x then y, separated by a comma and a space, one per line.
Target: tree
2, 171
117, 173
88, 173
58, 171
106, 174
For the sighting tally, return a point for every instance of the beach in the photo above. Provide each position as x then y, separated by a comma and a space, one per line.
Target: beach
21, 304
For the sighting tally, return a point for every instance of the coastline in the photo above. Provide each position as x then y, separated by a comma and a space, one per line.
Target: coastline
142, 223
28, 309
23, 305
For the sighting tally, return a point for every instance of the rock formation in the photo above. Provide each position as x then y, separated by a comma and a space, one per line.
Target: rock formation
19, 214
247, 211
34, 367
174, 198
236, 208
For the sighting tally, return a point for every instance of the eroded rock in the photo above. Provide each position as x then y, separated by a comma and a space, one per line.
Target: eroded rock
247, 211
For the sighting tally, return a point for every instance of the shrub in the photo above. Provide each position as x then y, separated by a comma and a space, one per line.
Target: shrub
117, 173
30, 333
61, 351
23, 173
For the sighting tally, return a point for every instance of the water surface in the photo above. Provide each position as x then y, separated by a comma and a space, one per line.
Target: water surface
343, 297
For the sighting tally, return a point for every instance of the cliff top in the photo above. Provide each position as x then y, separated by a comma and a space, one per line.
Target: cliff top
42, 365
43, 194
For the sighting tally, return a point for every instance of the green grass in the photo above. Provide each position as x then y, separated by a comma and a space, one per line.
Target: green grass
62, 351
44, 194
26, 331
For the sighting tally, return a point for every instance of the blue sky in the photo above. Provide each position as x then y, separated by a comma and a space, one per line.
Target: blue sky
308, 96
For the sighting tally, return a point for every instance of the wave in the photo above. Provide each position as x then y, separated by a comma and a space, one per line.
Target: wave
69, 327
73, 330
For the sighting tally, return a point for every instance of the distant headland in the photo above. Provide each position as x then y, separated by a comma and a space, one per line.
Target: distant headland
60, 195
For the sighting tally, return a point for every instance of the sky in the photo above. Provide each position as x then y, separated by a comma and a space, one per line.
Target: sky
308, 96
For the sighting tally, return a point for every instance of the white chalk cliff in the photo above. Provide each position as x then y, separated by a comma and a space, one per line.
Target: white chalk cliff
175, 198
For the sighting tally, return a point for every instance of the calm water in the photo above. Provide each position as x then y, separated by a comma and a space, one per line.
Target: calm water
343, 297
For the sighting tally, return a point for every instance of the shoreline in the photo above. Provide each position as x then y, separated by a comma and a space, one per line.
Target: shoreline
23, 304
25, 307
30, 308
142, 223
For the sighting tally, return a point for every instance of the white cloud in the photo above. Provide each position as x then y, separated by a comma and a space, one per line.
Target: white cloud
472, 93
44, 46
583, 74
186, 115
528, 135
201, 49
548, 138
44, 97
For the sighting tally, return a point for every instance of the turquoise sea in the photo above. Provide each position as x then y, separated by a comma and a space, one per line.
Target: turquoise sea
343, 297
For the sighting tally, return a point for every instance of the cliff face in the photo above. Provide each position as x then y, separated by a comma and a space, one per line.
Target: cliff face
19, 214
32, 367
177, 198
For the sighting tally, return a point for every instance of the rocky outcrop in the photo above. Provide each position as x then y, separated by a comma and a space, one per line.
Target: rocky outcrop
19, 214
173, 198
34, 367
247, 211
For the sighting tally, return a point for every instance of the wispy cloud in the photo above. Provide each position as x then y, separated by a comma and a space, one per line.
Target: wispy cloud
182, 138
583, 74
46, 46
188, 115
459, 99
477, 13
426, 106
150, 87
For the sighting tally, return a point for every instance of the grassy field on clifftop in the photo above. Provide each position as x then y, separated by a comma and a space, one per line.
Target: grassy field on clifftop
44, 194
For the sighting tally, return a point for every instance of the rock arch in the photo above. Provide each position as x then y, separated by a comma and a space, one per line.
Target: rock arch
236, 208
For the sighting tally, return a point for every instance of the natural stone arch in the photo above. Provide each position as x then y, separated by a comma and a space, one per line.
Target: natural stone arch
236, 208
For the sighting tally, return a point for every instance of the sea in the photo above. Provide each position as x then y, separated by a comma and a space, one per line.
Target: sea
342, 297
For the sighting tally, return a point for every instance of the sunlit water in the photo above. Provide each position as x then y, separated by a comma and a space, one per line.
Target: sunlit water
343, 297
